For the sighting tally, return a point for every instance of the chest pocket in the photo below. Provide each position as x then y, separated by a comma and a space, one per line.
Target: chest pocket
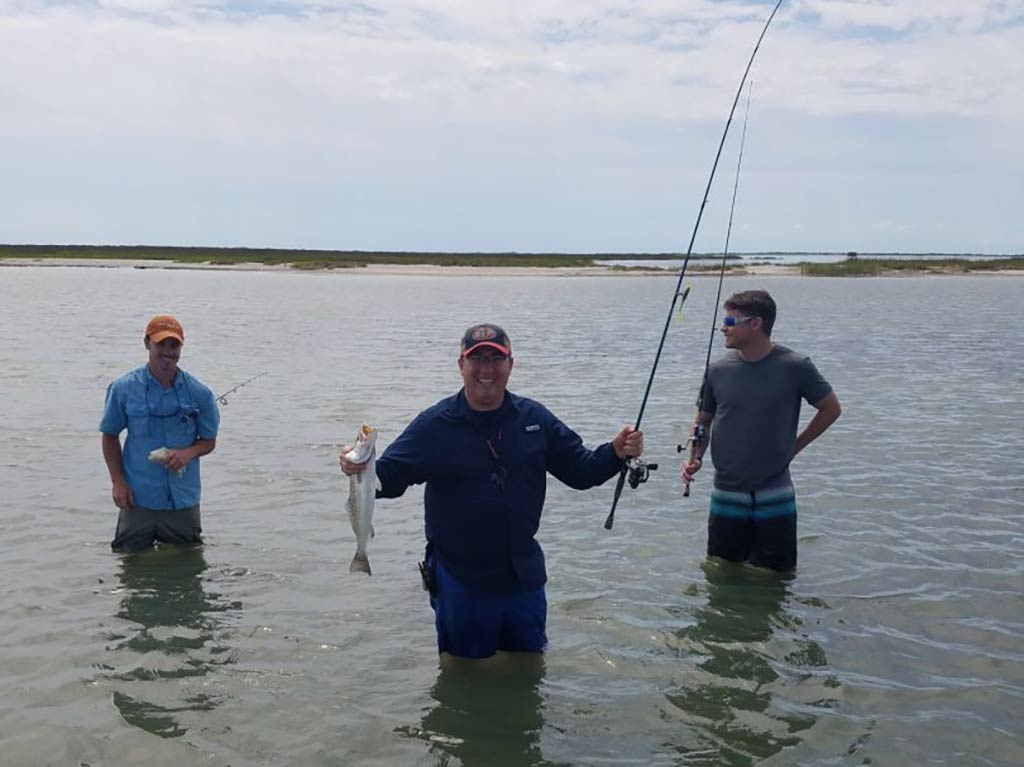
137, 414
532, 449
182, 428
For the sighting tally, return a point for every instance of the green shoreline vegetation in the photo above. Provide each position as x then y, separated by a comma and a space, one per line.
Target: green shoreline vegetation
298, 259
871, 267
854, 265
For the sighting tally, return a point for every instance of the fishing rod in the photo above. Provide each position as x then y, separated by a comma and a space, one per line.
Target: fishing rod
637, 468
699, 433
223, 398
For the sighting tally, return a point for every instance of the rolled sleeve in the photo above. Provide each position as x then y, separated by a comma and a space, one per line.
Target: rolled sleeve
114, 420
208, 422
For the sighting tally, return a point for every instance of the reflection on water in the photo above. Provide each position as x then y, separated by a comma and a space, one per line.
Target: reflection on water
488, 712
731, 701
176, 627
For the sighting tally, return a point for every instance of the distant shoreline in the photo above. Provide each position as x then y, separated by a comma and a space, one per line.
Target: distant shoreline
357, 263
408, 270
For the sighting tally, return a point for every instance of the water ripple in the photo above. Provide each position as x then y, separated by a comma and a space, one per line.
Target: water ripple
898, 640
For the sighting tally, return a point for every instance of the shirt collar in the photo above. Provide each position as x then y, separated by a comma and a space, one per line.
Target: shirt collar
179, 378
461, 409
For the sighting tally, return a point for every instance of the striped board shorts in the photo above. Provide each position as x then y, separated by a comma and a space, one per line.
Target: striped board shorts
758, 527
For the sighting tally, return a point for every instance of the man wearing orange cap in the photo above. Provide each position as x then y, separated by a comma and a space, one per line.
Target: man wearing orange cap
167, 410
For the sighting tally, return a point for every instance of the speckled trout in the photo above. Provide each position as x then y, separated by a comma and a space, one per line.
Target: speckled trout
161, 455
361, 494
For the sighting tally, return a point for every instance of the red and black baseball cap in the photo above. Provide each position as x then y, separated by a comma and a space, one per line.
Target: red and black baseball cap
486, 335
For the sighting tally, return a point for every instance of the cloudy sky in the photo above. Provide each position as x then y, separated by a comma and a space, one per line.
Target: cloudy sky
562, 125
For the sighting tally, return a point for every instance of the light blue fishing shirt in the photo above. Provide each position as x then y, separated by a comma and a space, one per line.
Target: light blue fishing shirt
156, 417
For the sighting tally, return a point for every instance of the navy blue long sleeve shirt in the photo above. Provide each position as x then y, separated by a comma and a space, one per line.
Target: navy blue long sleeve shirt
485, 475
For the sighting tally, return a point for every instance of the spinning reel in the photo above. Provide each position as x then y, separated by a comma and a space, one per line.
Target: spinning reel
639, 471
697, 437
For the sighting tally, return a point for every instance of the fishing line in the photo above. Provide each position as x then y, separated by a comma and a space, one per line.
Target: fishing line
638, 466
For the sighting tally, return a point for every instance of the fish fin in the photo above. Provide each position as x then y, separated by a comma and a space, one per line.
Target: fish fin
360, 564
373, 533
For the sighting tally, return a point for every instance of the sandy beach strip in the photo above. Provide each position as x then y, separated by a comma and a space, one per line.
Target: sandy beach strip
406, 270
434, 270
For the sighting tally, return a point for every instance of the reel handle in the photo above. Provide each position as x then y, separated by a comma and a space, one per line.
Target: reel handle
681, 448
686, 489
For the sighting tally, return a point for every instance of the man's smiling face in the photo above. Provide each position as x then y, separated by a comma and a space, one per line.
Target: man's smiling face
485, 374
163, 357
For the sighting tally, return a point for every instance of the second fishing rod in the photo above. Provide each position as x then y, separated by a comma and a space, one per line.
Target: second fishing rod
698, 434
636, 468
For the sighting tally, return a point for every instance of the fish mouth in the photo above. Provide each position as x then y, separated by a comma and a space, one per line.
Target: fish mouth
367, 435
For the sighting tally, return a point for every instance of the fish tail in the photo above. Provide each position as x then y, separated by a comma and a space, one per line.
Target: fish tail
360, 564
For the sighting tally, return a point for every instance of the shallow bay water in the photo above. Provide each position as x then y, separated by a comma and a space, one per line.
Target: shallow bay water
898, 641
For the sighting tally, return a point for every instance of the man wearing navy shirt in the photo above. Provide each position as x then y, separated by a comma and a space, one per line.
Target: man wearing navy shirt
160, 406
484, 454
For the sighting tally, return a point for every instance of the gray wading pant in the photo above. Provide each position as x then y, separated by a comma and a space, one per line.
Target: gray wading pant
138, 528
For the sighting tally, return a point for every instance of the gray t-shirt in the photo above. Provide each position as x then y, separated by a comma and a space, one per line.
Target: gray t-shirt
756, 407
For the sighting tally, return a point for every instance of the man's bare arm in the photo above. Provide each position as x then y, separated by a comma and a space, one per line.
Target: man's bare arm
829, 410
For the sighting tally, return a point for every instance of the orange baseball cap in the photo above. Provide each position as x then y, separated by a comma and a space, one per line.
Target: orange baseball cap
164, 326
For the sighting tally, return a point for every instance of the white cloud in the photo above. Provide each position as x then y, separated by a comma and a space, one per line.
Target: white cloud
613, 96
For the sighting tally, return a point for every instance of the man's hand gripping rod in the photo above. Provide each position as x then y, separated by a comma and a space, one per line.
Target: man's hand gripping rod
697, 436
638, 472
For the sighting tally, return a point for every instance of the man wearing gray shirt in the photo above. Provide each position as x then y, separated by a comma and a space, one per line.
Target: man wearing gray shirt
749, 413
